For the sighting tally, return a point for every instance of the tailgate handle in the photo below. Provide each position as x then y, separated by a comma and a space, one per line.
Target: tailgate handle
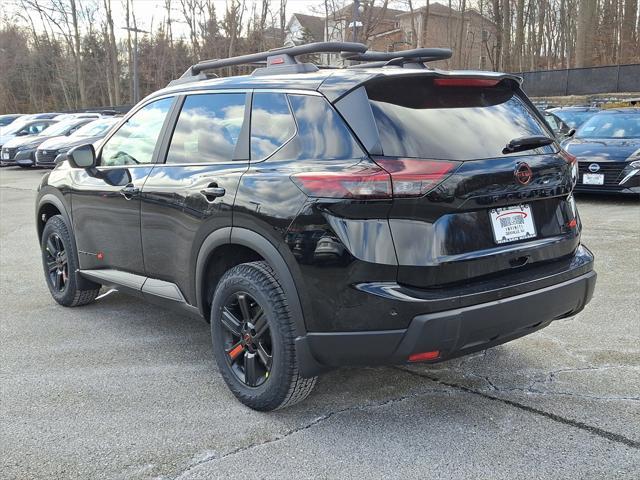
519, 261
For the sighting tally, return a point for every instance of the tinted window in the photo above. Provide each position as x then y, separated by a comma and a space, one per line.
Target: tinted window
574, 118
322, 134
136, 139
271, 124
36, 128
611, 125
417, 119
207, 129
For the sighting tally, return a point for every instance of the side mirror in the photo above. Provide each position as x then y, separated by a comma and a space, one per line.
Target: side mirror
571, 133
82, 156
22, 133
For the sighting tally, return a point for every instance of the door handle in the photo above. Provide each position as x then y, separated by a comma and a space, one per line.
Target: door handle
212, 192
129, 191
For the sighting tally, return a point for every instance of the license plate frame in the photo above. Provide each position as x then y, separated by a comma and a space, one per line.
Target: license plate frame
520, 227
593, 179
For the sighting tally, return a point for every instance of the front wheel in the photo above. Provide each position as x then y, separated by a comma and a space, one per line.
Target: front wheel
60, 263
253, 339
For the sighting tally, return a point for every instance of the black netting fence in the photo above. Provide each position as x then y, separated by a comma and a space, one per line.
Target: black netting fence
582, 81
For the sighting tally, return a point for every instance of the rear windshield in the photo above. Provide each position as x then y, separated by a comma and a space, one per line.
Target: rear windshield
417, 119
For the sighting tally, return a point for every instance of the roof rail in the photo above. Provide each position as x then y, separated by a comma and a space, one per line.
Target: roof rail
413, 58
275, 58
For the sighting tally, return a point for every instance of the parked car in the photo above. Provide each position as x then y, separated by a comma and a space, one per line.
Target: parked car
21, 151
560, 129
54, 149
7, 119
427, 247
69, 116
45, 116
608, 150
19, 129
574, 117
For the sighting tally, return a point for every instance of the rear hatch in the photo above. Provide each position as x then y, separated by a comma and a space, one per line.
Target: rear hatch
465, 204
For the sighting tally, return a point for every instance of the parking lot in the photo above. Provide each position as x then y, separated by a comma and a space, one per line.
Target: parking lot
123, 389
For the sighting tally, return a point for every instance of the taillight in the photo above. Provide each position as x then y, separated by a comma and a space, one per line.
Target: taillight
568, 157
412, 177
357, 182
466, 82
398, 177
573, 161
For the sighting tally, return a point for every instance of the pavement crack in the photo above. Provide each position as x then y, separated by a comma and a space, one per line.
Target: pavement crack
308, 425
611, 436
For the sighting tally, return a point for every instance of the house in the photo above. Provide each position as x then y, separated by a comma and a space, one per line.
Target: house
386, 29
304, 29
440, 26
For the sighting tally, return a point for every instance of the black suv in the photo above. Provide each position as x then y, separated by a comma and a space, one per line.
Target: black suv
378, 214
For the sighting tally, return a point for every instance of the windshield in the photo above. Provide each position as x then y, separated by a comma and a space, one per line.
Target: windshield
14, 127
96, 128
59, 128
611, 125
419, 119
574, 118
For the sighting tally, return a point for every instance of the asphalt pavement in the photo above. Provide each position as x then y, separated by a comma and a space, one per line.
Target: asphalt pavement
121, 389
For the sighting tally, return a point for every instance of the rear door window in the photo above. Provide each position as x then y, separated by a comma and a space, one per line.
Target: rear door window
418, 119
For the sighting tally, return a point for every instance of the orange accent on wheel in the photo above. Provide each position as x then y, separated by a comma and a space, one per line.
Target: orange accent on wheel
235, 351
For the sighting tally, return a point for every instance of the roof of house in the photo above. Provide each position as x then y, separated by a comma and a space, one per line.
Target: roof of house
313, 25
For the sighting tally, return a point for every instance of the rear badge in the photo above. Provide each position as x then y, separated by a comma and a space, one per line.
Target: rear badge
523, 173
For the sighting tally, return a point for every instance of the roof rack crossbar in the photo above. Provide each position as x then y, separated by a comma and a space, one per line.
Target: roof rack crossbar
416, 55
278, 56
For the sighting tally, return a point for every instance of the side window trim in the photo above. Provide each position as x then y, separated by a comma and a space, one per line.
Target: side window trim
168, 128
157, 149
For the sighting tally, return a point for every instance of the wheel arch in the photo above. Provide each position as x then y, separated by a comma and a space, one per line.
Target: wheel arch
248, 241
48, 205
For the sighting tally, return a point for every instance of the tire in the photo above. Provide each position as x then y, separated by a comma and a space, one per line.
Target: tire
267, 388
59, 270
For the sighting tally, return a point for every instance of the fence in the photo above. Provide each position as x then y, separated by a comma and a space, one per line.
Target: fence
582, 81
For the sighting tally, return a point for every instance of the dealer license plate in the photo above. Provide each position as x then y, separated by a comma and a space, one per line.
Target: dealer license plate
511, 224
593, 179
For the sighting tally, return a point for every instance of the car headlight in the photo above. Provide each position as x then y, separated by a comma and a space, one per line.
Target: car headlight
635, 164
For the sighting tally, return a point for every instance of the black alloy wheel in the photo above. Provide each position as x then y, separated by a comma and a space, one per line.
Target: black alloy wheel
247, 339
253, 335
60, 264
57, 263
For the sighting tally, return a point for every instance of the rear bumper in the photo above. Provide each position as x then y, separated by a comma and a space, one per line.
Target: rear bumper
453, 332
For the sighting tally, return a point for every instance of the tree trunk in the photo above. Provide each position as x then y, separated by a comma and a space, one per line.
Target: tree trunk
628, 37
584, 40
517, 50
78, 55
506, 35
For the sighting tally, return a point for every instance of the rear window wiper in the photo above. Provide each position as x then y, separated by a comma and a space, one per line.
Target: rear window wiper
521, 144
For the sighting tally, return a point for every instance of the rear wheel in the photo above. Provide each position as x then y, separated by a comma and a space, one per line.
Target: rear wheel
253, 339
60, 263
